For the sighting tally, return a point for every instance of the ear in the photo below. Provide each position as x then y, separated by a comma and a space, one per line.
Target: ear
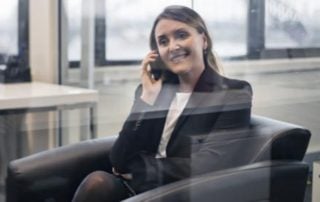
205, 41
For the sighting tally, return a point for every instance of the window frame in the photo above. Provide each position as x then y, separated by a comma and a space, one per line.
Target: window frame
23, 32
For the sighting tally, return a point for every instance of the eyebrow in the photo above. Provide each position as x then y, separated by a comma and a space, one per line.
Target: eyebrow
174, 31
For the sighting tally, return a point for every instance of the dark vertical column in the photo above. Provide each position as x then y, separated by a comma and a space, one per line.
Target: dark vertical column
23, 30
100, 33
256, 28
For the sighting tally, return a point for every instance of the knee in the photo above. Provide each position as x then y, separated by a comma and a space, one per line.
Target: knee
100, 186
98, 180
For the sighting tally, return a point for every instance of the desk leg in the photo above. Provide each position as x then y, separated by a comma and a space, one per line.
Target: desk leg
12, 142
59, 129
89, 128
63, 134
93, 122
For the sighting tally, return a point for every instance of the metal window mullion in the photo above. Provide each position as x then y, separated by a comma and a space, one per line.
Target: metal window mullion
100, 33
23, 30
63, 74
256, 28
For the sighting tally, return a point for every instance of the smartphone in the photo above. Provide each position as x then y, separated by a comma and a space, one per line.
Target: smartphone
157, 68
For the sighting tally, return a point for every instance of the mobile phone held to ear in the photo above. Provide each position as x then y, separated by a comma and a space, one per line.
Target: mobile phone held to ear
157, 68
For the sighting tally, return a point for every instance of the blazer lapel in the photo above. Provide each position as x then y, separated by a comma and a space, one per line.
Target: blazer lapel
209, 82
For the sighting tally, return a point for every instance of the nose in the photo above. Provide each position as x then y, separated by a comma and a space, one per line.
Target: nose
174, 45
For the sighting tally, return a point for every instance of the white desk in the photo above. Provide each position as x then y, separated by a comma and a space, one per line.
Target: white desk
36, 96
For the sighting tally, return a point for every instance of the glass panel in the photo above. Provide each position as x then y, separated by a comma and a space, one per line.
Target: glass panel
73, 8
128, 24
292, 24
9, 27
227, 23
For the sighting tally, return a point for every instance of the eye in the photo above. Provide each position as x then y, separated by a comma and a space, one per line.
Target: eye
163, 41
182, 35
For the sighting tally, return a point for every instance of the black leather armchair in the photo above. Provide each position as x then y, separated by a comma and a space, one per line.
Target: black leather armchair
273, 171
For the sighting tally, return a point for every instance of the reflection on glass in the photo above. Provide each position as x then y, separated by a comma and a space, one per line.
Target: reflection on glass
227, 23
292, 24
9, 27
128, 24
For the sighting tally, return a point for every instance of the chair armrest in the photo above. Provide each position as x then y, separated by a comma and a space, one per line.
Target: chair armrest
262, 181
280, 140
55, 174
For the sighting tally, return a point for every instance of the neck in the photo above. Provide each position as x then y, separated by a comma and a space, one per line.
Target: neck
189, 80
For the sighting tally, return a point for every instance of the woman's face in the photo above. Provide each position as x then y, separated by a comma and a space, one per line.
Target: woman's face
180, 46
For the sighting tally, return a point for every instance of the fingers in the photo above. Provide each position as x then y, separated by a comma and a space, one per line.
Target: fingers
145, 67
150, 57
114, 171
127, 176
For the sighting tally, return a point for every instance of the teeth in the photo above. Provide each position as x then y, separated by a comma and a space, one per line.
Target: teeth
178, 58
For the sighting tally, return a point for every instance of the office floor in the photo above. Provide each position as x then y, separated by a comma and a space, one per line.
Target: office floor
290, 96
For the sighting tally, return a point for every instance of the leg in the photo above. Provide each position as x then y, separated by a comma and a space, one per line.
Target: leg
100, 186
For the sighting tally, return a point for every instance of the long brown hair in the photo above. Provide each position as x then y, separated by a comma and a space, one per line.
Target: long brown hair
193, 19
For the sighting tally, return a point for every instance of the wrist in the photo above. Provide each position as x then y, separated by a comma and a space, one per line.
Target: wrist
148, 98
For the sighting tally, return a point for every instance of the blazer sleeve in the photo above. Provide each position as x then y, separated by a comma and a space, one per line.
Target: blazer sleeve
127, 144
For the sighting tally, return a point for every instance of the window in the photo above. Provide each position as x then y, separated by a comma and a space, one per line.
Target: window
292, 24
9, 28
126, 36
227, 22
276, 28
14, 29
74, 12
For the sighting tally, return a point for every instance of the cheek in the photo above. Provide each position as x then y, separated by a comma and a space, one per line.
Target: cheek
198, 50
162, 54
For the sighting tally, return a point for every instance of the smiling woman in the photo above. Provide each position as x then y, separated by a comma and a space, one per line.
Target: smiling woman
191, 99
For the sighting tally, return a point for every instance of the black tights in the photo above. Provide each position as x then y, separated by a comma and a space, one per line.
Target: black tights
100, 186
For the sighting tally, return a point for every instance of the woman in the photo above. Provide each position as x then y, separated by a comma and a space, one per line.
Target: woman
174, 119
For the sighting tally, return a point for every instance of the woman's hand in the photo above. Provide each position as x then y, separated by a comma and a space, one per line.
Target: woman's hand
150, 86
127, 176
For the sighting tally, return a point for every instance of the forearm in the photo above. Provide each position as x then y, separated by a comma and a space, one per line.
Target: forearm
130, 141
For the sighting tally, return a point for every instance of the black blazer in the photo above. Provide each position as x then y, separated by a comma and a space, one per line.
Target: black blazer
199, 142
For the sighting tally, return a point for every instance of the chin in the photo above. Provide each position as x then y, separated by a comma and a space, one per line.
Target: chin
179, 69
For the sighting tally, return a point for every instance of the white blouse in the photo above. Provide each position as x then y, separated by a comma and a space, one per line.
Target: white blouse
175, 110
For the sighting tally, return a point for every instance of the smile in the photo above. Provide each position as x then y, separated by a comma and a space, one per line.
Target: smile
178, 56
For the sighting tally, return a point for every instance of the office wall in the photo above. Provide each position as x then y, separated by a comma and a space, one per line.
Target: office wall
43, 41
43, 38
